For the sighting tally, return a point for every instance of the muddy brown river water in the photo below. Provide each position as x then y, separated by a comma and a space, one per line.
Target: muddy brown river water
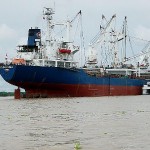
100, 123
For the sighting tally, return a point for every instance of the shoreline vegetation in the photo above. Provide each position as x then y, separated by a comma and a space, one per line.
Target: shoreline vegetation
4, 94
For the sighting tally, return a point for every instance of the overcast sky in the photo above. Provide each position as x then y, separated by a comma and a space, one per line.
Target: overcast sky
17, 16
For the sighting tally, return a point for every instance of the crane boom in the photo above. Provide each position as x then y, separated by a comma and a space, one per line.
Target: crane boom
100, 34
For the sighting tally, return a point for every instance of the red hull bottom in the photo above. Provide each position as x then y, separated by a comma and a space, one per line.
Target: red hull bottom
82, 91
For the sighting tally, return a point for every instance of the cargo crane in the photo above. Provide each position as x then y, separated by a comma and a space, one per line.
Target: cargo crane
143, 56
113, 37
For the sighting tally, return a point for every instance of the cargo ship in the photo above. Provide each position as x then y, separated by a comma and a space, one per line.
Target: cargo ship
47, 66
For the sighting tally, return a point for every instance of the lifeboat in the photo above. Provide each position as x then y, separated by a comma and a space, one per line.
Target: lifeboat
18, 61
68, 51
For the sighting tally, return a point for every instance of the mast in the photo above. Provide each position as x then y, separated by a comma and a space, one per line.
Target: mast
48, 15
125, 39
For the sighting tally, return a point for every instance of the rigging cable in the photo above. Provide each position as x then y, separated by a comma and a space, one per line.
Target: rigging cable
130, 46
139, 39
76, 30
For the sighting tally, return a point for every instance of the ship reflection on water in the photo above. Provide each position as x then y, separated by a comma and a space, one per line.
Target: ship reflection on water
58, 124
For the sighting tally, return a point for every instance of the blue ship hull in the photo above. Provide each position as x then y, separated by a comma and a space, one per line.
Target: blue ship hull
61, 82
